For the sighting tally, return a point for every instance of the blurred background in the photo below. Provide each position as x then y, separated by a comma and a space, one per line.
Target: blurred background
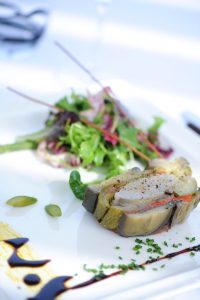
150, 49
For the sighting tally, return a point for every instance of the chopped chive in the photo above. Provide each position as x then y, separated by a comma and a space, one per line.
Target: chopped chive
192, 239
100, 275
149, 242
165, 243
136, 247
149, 250
117, 247
162, 266
120, 257
155, 269
192, 254
103, 266
139, 241
123, 268
89, 270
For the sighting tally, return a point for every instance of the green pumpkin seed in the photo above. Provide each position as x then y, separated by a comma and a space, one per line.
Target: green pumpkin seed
20, 201
53, 210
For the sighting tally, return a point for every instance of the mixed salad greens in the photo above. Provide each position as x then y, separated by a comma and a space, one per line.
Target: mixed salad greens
67, 141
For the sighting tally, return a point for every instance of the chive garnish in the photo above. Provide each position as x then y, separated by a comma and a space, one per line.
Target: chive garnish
136, 247
90, 270
162, 266
149, 250
192, 239
139, 241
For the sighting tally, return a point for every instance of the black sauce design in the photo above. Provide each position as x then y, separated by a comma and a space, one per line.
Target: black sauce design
52, 289
56, 286
16, 261
32, 279
57, 289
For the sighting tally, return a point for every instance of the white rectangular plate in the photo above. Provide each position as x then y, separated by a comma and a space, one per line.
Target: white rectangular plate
76, 238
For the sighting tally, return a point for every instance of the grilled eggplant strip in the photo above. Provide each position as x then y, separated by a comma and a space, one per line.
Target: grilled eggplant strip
179, 166
185, 208
91, 197
196, 198
112, 218
161, 202
145, 223
104, 202
145, 202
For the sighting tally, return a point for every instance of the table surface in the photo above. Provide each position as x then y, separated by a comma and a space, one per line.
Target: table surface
151, 48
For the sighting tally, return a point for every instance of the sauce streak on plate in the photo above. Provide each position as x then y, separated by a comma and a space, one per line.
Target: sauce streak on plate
56, 286
16, 261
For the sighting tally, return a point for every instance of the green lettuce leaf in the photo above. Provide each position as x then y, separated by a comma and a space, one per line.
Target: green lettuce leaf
154, 128
75, 103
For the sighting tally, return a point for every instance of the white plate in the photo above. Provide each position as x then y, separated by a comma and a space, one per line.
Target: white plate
76, 238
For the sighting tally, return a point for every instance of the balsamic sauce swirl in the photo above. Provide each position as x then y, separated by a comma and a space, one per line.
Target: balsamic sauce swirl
56, 286
16, 261
52, 289
32, 279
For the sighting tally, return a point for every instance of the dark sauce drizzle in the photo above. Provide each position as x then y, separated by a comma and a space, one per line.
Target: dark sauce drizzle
16, 261
53, 285
56, 286
52, 289
32, 279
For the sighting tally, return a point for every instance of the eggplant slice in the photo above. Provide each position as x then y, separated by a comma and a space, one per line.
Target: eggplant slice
140, 202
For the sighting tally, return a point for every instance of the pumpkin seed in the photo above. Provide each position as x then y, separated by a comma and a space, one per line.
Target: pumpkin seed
53, 210
20, 201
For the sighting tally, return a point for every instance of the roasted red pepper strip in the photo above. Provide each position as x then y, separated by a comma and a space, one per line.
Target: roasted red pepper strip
157, 203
